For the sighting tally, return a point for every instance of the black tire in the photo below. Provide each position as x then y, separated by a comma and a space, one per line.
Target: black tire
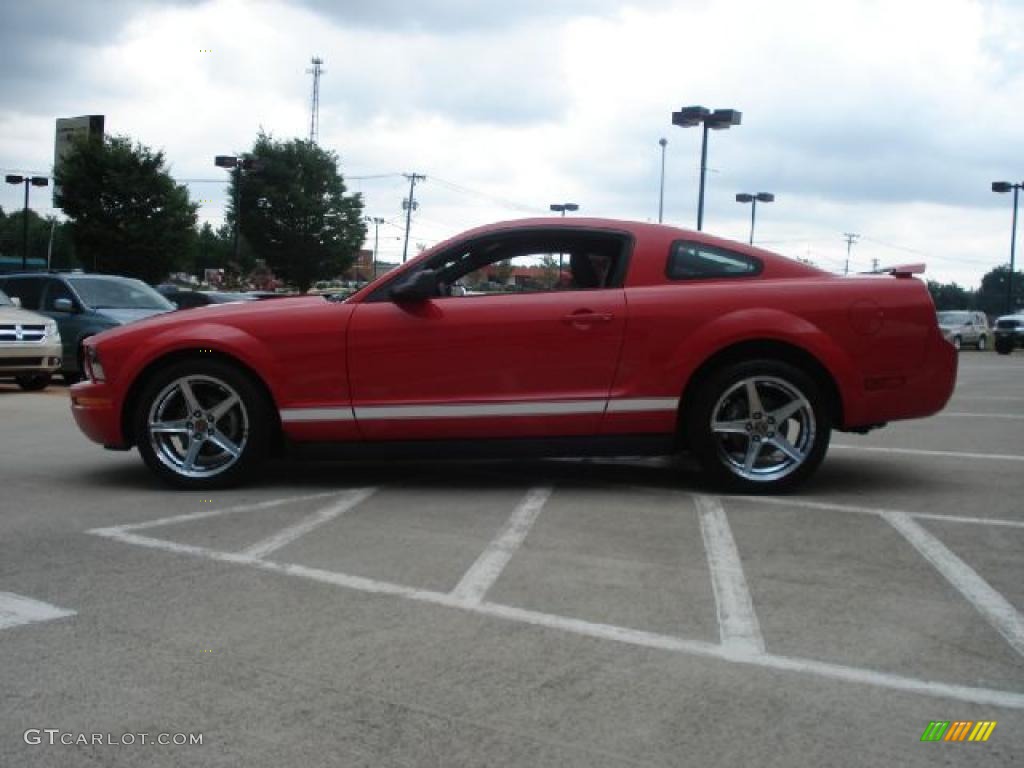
71, 377
957, 343
33, 382
1004, 349
722, 397
982, 343
247, 426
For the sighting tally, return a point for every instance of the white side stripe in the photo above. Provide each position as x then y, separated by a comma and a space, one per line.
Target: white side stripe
317, 414
470, 410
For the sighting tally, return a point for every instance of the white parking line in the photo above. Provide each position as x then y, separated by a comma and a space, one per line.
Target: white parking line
488, 567
16, 610
1010, 416
737, 623
993, 606
922, 452
999, 398
983, 696
318, 518
877, 511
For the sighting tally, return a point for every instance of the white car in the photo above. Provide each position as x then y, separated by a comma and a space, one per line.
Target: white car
30, 347
962, 327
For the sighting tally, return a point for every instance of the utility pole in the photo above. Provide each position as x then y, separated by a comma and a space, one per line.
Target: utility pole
410, 204
874, 265
663, 142
376, 221
314, 115
851, 238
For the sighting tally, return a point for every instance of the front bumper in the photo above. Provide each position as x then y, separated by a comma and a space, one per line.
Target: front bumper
30, 357
98, 414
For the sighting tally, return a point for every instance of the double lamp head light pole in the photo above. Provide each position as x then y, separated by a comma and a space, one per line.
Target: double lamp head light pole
1004, 187
28, 181
760, 197
715, 120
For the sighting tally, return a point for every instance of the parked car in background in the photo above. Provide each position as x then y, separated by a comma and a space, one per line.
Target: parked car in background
663, 340
1009, 332
190, 299
83, 305
964, 327
30, 349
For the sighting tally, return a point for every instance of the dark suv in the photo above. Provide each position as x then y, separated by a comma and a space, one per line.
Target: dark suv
83, 305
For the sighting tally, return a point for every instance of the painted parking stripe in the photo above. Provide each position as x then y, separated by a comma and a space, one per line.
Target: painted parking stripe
482, 575
995, 608
635, 637
738, 626
16, 610
923, 452
1010, 416
311, 523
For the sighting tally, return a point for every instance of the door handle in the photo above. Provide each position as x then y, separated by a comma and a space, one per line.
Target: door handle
586, 316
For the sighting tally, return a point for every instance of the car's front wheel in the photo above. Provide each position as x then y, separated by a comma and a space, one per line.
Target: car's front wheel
1004, 347
982, 343
33, 382
202, 424
761, 426
957, 343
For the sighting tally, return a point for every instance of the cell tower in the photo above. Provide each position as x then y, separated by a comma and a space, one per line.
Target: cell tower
314, 114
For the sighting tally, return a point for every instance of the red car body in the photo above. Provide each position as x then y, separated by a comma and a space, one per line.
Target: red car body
596, 363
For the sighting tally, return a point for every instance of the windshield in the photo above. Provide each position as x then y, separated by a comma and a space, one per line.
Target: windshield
954, 318
4, 301
119, 293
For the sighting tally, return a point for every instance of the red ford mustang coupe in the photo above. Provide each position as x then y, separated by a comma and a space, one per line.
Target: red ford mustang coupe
539, 337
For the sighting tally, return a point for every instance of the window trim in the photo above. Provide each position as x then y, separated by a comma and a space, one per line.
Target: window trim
383, 293
756, 262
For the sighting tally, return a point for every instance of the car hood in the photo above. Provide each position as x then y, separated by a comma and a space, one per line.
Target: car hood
121, 316
234, 313
18, 316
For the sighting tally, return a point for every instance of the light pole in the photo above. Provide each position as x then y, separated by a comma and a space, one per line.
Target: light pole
661, 192
717, 120
34, 181
563, 207
237, 164
760, 197
376, 221
1005, 186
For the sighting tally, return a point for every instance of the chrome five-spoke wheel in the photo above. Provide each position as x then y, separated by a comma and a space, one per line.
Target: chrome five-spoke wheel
198, 426
759, 425
202, 424
764, 428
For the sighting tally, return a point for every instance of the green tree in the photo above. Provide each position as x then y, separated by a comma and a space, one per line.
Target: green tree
950, 296
211, 249
991, 294
295, 215
127, 214
39, 231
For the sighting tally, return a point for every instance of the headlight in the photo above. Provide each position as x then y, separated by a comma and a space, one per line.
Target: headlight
53, 332
93, 367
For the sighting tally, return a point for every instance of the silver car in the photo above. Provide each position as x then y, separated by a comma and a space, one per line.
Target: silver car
30, 348
963, 327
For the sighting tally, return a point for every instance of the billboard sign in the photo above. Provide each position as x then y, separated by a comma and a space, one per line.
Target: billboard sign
68, 129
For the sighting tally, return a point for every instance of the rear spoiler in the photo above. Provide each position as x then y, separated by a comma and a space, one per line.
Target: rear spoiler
904, 270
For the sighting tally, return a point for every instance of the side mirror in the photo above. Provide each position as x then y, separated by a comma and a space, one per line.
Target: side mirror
15, 301
63, 305
419, 287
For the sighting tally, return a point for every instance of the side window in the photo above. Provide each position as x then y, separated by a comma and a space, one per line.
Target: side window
693, 261
534, 262
55, 289
27, 289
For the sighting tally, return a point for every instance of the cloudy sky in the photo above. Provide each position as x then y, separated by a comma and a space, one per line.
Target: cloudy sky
889, 119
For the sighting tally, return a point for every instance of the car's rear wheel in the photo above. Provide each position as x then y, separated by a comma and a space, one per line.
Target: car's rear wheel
33, 382
761, 426
982, 343
202, 424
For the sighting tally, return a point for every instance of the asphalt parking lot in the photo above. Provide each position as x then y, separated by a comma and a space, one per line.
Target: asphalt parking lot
535, 613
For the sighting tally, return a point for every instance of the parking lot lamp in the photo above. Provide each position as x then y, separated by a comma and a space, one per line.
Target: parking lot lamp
563, 207
33, 181
663, 142
760, 197
717, 120
376, 221
237, 164
1002, 187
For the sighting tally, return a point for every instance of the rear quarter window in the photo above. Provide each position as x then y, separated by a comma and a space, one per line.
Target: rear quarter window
27, 289
695, 261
